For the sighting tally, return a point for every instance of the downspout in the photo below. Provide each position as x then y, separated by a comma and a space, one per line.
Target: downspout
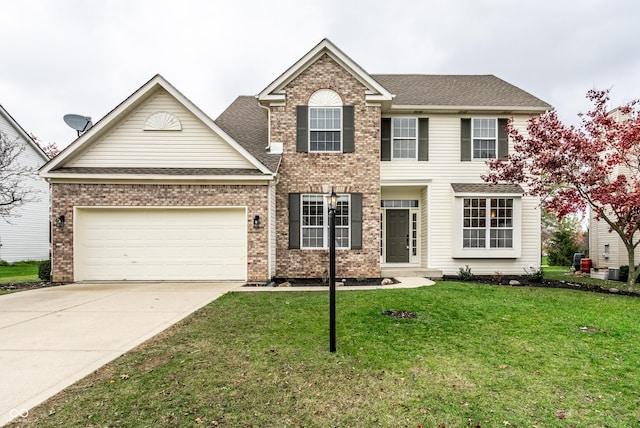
270, 203
268, 124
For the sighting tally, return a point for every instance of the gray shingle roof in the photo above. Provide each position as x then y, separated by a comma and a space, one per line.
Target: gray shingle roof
456, 90
164, 171
486, 188
246, 122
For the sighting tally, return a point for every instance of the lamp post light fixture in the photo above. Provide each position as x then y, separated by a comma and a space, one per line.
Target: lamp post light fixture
332, 202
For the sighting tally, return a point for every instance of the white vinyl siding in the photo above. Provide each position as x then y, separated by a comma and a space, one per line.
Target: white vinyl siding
27, 236
129, 145
445, 168
160, 244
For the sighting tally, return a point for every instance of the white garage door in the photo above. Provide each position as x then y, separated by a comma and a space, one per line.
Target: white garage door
160, 244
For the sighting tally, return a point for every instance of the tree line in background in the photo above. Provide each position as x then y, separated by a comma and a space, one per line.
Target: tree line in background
561, 239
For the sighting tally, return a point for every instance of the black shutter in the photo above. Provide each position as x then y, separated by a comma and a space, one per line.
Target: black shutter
385, 139
423, 139
348, 145
465, 139
356, 221
503, 139
302, 126
294, 220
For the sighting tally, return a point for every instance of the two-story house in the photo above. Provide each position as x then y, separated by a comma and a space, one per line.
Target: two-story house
158, 190
24, 235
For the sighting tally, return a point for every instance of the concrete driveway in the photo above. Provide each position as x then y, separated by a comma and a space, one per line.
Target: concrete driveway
52, 337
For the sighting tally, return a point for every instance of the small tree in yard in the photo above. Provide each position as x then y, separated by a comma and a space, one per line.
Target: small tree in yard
562, 247
13, 191
562, 239
570, 168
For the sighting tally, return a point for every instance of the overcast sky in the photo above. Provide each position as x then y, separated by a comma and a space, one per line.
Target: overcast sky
86, 56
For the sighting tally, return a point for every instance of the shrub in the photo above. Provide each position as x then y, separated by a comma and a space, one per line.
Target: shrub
624, 273
465, 274
44, 270
534, 275
4, 263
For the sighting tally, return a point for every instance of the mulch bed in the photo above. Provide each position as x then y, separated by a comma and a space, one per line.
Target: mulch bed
525, 282
319, 282
28, 285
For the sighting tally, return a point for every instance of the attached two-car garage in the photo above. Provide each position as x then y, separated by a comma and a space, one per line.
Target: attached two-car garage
174, 244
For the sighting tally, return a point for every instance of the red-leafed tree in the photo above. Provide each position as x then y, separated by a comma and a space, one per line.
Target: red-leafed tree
571, 168
50, 149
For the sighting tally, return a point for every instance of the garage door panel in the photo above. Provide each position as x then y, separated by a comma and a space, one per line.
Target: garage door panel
160, 244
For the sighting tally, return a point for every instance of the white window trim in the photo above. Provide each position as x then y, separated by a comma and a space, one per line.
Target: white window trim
495, 154
415, 121
325, 98
311, 130
459, 251
325, 226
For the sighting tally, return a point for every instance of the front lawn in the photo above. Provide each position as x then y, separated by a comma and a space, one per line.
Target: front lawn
476, 355
19, 272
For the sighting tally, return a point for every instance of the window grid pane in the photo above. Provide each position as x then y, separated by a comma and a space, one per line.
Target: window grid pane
315, 221
484, 138
312, 221
405, 138
324, 141
342, 222
325, 127
414, 234
496, 222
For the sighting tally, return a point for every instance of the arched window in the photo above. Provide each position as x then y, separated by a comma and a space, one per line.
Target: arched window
325, 121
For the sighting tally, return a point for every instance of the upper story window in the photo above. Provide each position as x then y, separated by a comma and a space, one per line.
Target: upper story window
404, 138
484, 135
325, 121
325, 129
483, 138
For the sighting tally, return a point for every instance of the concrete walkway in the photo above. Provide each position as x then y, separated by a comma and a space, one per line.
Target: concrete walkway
53, 337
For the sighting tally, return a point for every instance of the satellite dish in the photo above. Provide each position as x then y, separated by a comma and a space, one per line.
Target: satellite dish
78, 122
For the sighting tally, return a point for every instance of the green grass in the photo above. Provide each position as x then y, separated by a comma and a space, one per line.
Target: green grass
476, 355
19, 272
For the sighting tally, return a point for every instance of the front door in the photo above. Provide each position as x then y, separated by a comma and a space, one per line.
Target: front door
397, 236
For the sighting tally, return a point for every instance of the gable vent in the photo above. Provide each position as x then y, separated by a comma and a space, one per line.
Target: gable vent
162, 121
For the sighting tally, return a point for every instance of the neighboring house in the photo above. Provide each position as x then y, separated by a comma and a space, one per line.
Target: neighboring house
26, 235
158, 190
606, 249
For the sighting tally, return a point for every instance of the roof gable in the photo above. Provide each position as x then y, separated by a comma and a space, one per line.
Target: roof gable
19, 130
375, 91
146, 130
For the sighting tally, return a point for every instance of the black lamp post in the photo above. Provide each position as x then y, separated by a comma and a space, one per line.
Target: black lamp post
332, 202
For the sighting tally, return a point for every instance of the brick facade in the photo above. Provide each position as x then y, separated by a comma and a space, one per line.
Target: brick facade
67, 196
357, 172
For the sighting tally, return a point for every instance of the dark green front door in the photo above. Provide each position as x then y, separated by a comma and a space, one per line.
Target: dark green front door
397, 239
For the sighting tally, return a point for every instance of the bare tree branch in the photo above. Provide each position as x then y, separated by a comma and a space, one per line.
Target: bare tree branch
15, 177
